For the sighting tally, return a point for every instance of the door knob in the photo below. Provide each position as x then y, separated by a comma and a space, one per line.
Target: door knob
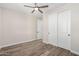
68, 34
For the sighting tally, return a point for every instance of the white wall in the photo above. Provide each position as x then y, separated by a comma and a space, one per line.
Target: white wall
74, 8
75, 29
45, 28
0, 25
16, 27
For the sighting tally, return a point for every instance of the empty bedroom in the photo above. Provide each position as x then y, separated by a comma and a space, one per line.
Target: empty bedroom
39, 29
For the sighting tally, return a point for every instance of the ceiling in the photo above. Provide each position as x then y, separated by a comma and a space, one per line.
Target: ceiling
20, 7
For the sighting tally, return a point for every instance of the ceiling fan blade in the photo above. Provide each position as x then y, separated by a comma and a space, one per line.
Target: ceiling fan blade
28, 6
40, 10
43, 6
33, 11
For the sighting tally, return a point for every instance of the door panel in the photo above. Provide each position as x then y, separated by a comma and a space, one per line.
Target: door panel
59, 29
52, 29
64, 29
39, 28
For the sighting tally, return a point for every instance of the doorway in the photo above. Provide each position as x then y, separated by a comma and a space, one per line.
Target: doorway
39, 28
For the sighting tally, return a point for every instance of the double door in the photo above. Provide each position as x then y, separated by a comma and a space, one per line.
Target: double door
59, 29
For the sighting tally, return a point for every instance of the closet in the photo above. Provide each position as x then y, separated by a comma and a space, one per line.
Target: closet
59, 29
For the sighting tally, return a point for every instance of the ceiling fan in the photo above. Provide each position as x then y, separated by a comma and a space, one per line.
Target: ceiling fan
36, 7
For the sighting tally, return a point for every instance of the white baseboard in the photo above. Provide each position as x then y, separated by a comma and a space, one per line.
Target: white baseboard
68, 49
75, 52
14, 43
50, 43
45, 42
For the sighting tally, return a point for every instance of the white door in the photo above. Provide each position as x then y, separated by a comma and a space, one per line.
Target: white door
52, 29
39, 28
64, 39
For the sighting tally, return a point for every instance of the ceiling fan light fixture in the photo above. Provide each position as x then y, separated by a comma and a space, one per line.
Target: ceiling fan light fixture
36, 9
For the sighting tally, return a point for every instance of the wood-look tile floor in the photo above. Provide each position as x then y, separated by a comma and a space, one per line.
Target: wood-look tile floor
35, 48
